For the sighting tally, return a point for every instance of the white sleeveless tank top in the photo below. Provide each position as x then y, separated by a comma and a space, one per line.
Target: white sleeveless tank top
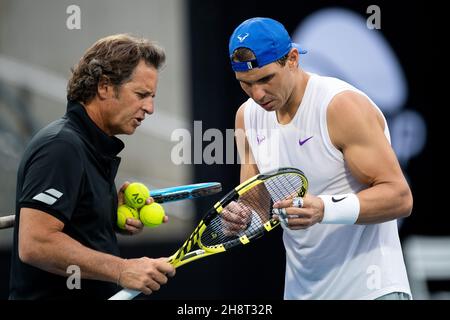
325, 261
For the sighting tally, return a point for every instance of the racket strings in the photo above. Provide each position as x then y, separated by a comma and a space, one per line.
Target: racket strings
293, 186
246, 216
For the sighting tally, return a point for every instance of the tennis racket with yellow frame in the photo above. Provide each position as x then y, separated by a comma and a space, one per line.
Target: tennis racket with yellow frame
252, 202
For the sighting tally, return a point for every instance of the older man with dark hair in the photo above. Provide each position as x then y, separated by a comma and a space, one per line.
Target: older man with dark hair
66, 202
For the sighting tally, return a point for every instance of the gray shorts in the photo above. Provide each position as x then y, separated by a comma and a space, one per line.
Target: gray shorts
395, 296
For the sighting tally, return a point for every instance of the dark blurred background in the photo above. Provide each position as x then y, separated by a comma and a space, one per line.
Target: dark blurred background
402, 91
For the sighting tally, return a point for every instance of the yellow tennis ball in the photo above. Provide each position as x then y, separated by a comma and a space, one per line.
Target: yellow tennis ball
124, 212
135, 195
152, 215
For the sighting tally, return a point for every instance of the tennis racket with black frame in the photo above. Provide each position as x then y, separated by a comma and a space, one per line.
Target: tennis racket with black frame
183, 192
252, 201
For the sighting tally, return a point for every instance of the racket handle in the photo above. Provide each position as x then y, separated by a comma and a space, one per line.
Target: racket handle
128, 294
7, 221
125, 294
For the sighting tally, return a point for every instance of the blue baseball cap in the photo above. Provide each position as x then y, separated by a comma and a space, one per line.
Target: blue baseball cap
265, 37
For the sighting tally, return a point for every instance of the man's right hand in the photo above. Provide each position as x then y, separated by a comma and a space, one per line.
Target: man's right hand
145, 274
236, 217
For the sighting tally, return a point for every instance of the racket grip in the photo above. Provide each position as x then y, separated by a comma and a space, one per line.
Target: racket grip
7, 221
125, 294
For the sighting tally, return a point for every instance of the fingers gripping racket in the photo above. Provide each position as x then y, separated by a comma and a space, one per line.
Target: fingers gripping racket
190, 191
254, 198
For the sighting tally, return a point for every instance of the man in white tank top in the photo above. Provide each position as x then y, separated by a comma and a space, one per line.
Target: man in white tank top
341, 239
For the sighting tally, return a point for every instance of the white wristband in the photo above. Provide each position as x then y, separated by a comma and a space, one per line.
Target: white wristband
340, 209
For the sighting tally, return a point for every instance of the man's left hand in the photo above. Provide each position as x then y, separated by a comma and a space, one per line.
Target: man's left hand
302, 218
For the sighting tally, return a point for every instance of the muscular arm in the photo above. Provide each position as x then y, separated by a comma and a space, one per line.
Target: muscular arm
248, 164
249, 168
357, 129
237, 215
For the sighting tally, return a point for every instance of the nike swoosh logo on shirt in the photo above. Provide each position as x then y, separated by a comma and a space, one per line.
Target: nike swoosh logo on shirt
337, 200
302, 142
